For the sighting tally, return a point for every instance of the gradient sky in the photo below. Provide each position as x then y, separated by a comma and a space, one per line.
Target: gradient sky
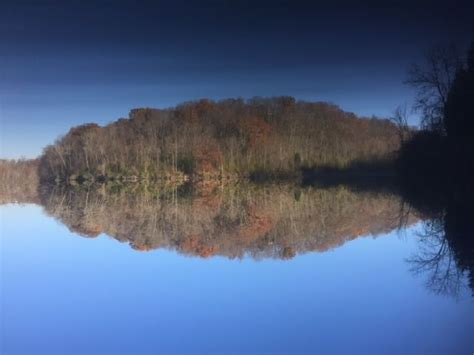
64, 63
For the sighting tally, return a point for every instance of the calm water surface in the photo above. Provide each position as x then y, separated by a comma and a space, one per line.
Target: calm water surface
227, 277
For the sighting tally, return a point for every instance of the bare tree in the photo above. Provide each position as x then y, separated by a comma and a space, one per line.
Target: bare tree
433, 80
400, 119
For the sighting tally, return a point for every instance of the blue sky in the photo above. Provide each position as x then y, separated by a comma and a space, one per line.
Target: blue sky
63, 64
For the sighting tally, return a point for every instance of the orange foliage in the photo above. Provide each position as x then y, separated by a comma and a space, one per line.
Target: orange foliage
194, 245
142, 247
256, 129
209, 158
193, 113
258, 225
87, 231
207, 201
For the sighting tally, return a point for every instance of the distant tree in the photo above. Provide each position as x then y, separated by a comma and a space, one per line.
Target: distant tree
400, 119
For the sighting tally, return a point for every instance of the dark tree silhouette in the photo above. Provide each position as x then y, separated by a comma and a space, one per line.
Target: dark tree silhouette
433, 80
441, 156
459, 109
400, 119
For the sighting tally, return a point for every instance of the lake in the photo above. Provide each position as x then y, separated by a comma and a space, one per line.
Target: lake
264, 270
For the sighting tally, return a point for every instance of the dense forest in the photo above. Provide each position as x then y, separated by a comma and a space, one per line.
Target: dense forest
19, 181
224, 139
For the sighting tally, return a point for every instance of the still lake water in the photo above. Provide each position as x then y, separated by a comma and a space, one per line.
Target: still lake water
267, 273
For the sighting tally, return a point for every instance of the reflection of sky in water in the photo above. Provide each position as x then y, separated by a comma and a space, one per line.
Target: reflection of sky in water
62, 293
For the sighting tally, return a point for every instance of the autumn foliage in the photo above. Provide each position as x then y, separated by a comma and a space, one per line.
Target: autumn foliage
214, 139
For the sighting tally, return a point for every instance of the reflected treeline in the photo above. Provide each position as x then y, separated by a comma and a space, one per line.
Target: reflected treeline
276, 221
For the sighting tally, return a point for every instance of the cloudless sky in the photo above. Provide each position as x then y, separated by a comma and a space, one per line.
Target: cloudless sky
64, 63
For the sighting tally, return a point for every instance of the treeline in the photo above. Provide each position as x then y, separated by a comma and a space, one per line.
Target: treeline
223, 139
19, 181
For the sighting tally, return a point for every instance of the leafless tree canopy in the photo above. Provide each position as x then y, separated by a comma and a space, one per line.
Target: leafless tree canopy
433, 79
400, 119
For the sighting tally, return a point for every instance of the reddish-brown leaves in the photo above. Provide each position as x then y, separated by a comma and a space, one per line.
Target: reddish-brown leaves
256, 129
